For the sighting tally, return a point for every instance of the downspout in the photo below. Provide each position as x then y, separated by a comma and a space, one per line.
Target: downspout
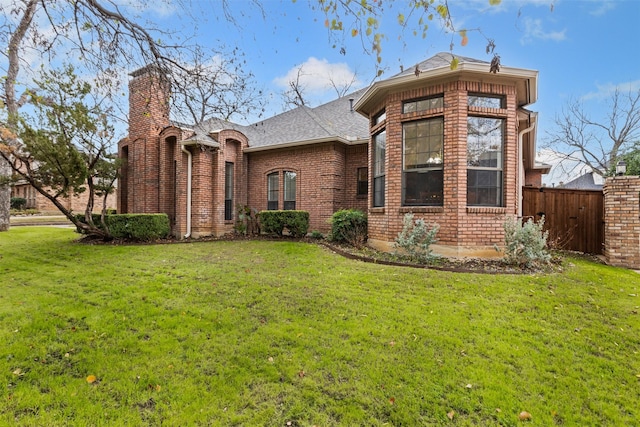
189, 163
521, 173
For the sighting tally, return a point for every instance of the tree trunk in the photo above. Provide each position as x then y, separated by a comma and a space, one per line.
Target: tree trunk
5, 195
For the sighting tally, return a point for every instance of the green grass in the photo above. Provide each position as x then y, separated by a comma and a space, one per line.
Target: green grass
259, 333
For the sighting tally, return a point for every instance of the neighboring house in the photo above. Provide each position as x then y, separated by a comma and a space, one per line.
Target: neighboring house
76, 203
454, 147
587, 181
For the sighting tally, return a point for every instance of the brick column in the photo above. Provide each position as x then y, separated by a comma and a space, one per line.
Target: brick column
622, 221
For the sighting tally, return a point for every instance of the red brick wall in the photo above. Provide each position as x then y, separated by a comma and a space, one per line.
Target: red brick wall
459, 225
326, 178
533, 178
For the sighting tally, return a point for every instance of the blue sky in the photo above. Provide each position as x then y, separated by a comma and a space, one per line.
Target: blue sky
582, 48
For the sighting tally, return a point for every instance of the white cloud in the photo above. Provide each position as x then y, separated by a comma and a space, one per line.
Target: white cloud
318, 76
604, 91
564, 167
162, 8
602, 7
533, 30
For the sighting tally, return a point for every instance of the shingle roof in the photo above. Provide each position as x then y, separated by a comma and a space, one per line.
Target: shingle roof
583, 182
334, 119
439, 60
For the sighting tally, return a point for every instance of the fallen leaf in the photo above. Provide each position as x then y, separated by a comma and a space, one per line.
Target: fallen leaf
469, 386
301, 374
270, 359
524, 416
392, 400
18, 372
158, 388
498, 410
91, 379
392, 343
451, 414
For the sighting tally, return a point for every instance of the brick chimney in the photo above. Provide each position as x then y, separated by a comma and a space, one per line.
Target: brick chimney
149, 94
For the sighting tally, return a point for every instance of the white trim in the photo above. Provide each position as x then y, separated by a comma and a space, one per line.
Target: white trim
346, 141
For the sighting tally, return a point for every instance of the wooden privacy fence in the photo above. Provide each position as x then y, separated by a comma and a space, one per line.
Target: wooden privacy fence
574, 218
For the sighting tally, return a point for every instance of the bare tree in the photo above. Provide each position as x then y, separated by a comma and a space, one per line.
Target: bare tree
295, 95
108, 39
597, 143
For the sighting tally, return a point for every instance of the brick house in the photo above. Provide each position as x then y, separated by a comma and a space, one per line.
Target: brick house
77, 202
452, 146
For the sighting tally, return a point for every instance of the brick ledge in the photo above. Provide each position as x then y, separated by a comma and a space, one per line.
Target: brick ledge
486, 210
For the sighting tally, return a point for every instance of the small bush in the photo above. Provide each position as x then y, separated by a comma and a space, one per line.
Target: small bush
315, 234
247, 221
274, 222
526, 244
134, 226
350, 226
416, 238
18, 203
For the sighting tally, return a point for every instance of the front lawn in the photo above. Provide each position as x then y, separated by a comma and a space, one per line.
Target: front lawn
260, 333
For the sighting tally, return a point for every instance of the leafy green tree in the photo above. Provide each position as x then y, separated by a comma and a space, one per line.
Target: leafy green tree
64, 146
632, 161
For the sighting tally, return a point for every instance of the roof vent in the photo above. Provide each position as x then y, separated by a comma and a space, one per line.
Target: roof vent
351, 104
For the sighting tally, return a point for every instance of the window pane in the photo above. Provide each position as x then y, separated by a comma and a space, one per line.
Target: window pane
422, 104
423, 144
422, 188
363, 181
289, 189
486, 101
380, 145
484, 142
378, 191
272, 191
484, 187
228, 191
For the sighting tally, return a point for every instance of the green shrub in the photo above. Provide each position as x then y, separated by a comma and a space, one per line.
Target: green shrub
247, 221
134, 226
18, 203
416, 238
350, 226
274, 222
315, 234
526, 244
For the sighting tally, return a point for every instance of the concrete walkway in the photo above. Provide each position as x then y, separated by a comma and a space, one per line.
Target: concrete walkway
59, 220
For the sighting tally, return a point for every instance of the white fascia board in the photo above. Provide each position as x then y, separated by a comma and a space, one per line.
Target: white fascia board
200, 142
345, 141
469, 67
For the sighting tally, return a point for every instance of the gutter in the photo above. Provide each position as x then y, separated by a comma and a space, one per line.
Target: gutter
346, 141
189, 166
521, 173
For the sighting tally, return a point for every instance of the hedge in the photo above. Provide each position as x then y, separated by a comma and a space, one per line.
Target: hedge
18, 203
274, 222
349, 225
134, 226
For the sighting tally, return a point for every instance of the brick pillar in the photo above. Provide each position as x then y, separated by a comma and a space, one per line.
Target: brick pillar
622, 221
